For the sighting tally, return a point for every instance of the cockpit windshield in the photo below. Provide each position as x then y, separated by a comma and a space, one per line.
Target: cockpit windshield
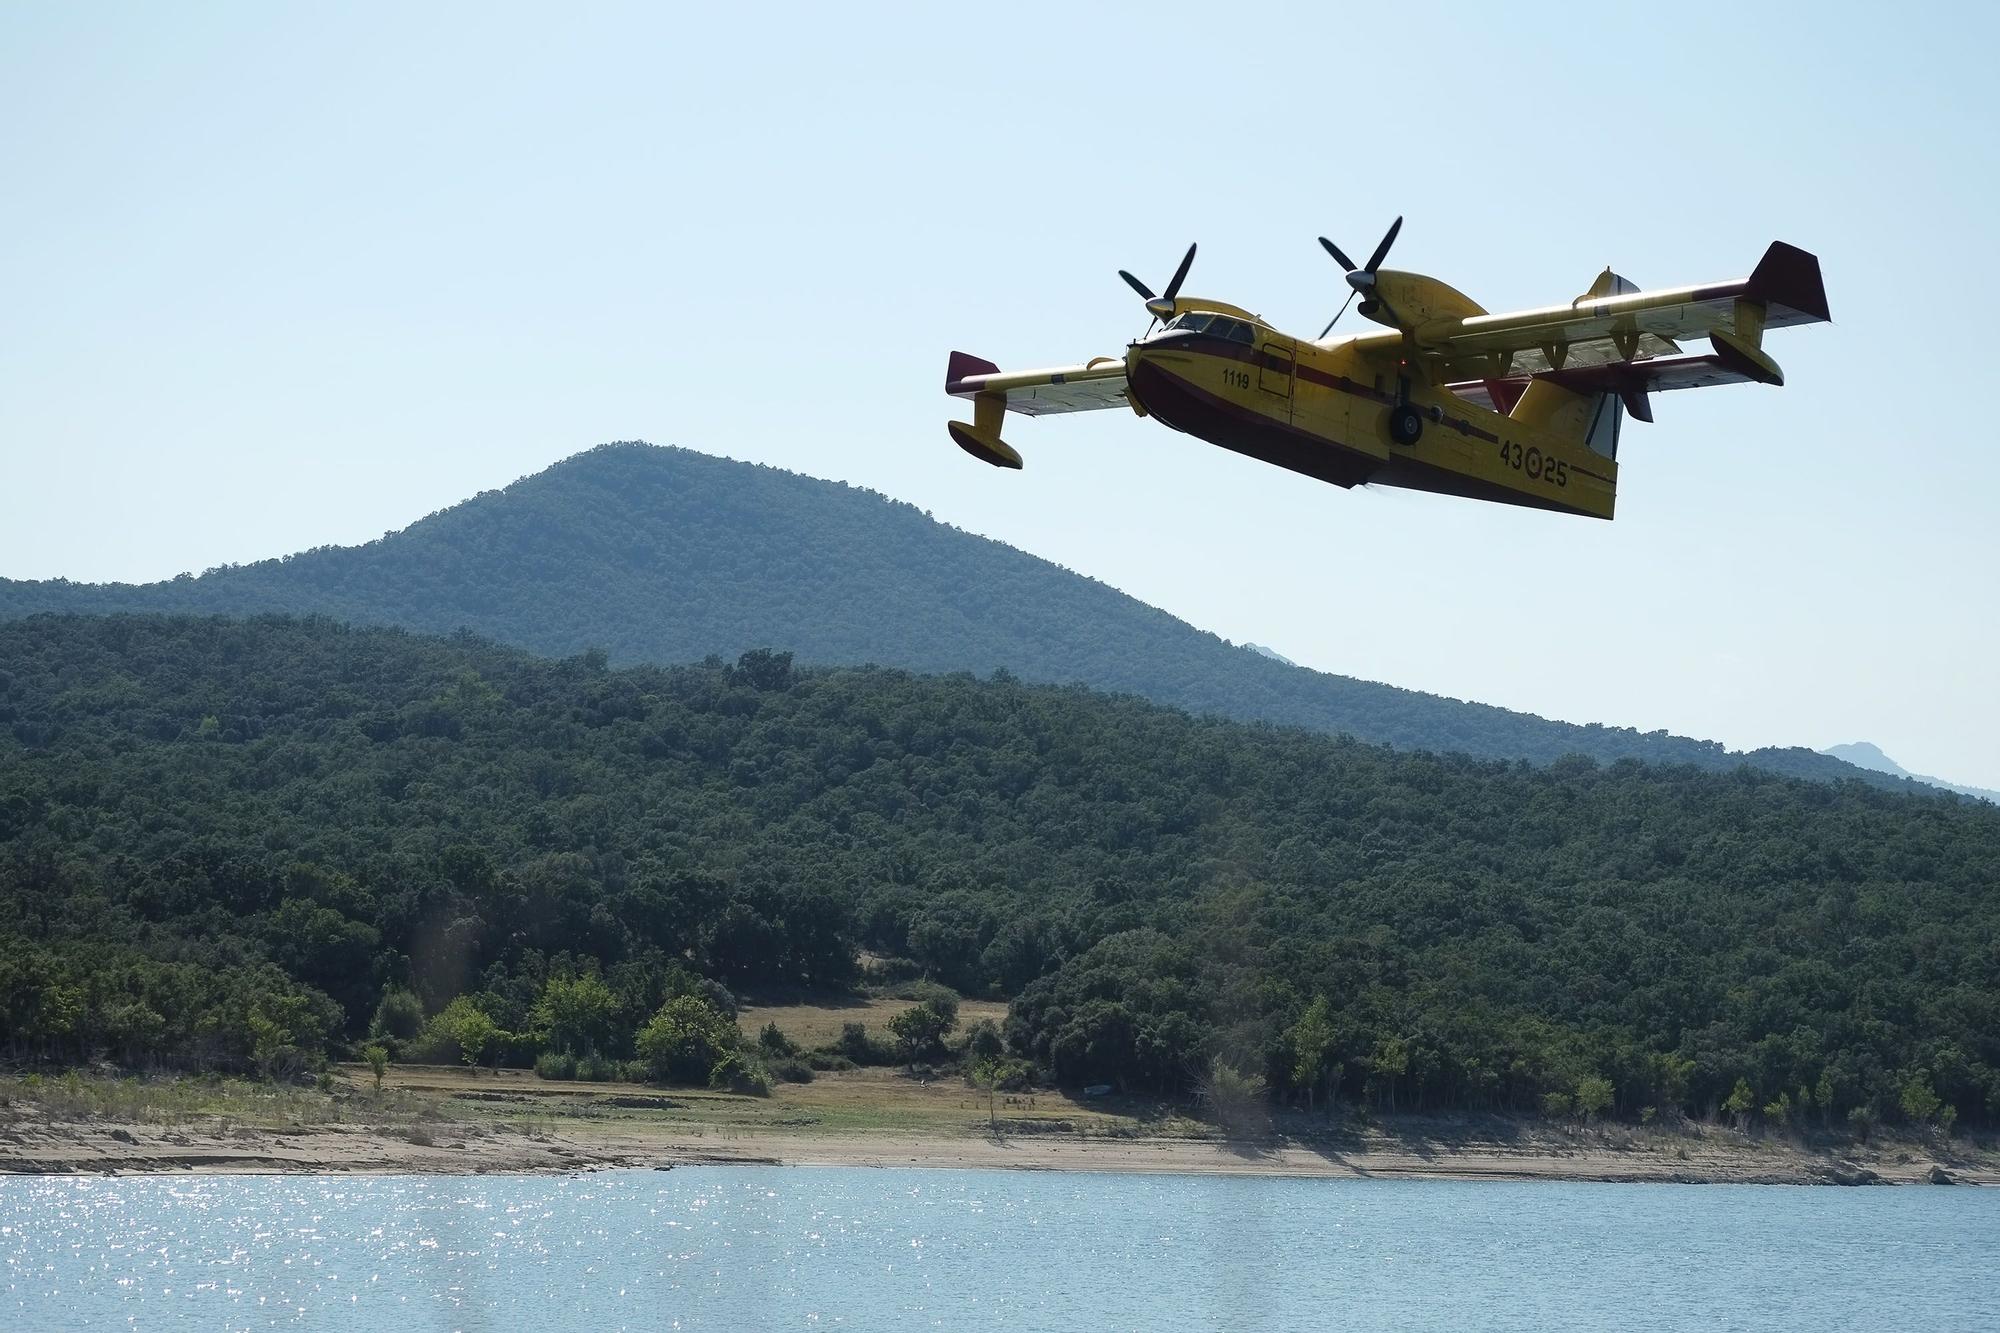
1215, 326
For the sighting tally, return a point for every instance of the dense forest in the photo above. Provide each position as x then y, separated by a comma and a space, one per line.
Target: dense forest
236, 842
664, 556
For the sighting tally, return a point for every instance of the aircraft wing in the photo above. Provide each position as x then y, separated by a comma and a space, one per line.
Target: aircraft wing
1097, 384
1784, 289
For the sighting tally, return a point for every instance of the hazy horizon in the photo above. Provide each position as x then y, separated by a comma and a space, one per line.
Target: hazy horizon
292, 278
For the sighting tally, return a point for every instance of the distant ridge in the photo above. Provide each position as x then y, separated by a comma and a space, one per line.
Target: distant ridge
1865, 754
665, 555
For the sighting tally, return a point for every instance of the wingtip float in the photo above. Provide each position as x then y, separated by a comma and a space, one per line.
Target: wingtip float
1520, 408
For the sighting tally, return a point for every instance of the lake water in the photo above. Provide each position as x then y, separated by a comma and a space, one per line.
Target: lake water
809, 1248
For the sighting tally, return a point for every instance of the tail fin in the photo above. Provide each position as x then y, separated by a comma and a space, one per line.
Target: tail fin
1593, 418
1608, 284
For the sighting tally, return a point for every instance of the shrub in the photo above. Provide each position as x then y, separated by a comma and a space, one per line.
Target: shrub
732, 1073
597, 1069
862, 1049
1235, 1099
772, 1041
790, 1069
1862, 1121
555, 1064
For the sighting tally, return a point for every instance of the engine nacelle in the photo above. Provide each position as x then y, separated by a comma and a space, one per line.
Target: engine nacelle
1411, 300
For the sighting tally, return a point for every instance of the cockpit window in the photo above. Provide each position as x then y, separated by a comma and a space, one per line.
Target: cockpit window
1215, 326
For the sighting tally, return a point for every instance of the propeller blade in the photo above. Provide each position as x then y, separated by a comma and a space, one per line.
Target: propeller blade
1180, 274
1382, 250
1338, 258
1336, 315
1145, 292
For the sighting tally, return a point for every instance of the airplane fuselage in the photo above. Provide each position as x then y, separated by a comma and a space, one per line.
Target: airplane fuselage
1323, 410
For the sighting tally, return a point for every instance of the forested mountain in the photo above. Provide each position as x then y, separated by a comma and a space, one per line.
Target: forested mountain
226, 838
1865, 754
662, 555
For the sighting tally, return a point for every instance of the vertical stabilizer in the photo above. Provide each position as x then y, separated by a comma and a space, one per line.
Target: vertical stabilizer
1607, 410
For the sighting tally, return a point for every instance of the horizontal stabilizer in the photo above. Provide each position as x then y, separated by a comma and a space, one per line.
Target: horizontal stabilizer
1726, 365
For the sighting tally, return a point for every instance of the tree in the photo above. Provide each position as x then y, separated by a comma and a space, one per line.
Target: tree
985, 1076
1918, 1101
1311, 1040
921, 1029
1741, 1102
399, 1015
1390, 1061
1152, 889
475, 1033
576, 1014
461, 1031
377, 1057
282, 1031
1594, 1096
683, 1042
984, 1042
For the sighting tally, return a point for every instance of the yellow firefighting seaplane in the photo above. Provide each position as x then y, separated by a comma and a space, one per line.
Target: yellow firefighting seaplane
1522, 408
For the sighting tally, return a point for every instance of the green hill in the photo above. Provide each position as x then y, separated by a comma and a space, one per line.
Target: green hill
663, 555
220, 840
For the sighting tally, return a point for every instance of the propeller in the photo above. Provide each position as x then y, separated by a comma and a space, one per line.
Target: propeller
1162, 305
1360, 277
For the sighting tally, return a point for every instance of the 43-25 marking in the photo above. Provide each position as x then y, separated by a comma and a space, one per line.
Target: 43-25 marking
1551, 470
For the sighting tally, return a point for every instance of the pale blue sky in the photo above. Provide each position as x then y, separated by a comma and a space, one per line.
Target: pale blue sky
277, 277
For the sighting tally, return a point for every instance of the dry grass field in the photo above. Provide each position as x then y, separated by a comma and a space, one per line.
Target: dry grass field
819, 1023
834, 1102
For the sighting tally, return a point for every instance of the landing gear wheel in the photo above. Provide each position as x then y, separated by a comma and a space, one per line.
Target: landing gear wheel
1406, 424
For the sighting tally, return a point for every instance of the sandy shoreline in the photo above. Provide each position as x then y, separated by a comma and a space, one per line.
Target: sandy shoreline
478, 1149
